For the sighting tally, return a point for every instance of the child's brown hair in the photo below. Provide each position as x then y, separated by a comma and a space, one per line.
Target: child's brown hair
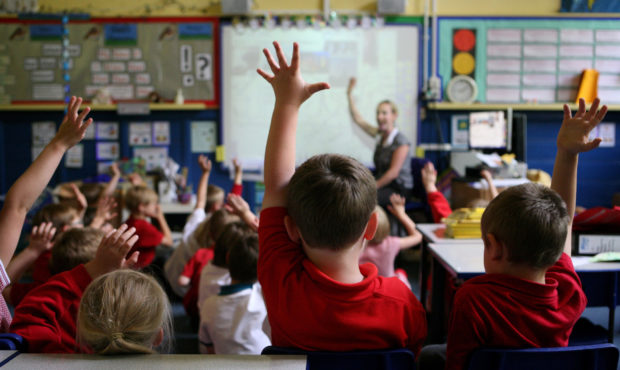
531, 220
124, 312
138, 195
243, 258
60, 215
209, 230
232, 234
330, 199
74, 247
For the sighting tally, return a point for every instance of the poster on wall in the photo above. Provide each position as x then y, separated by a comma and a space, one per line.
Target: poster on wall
161, 133
140, 133
154, 157
75, 156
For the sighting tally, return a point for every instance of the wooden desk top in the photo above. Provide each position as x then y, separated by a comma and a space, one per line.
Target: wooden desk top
154, 362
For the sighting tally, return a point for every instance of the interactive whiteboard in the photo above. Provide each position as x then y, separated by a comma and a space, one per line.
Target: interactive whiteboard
383, 59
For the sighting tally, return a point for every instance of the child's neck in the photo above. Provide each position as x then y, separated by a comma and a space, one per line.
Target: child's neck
139, 215
525, 273
341, 265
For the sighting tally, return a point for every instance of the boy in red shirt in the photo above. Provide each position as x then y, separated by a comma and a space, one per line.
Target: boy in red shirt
46, 317
530, 295
313, 227
142, 204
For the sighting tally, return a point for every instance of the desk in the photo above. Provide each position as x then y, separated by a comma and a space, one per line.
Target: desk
153, 362
599, 280
434, 233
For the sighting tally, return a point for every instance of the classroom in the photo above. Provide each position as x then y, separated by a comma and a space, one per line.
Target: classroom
401, 149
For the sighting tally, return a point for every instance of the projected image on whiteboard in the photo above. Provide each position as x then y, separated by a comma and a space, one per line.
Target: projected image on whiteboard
384, 61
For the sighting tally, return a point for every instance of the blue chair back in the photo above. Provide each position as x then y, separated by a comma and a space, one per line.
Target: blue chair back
394, 359
592, 357
12, 341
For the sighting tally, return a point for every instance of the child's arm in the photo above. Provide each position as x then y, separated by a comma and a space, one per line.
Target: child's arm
163, 226
186, 275
31, 183
241, 208
572, 140
398, 209
105, 211
355, 114
201, 192
110, 187
489, 178
80, 198
238, 180
40, 241
291, 91
112, 251
440, 207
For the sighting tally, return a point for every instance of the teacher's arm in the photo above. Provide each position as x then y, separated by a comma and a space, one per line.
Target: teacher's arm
398, 158
355, 114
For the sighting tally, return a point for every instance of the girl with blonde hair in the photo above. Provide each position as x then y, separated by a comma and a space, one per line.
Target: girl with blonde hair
124, 311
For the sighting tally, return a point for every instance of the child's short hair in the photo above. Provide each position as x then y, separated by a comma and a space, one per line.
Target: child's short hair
383, 226
215, 196
233, 232
60, 215
74, 247
330, 199
208, 231
137, 195
531, 220
91, 191
123, 312
243, 258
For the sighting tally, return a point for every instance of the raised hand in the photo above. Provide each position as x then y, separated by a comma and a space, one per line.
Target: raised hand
429, 177
79, 197
41, 237
205, 163
112, 252
73, 127
288, 85
575, 130
398, 204
105, 210
116, 172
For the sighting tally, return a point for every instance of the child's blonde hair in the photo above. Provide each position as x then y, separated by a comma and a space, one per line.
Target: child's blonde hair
209, 230
215, 196
123, 312
383, 226
138, 195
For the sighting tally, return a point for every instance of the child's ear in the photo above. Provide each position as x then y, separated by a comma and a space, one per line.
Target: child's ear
371, 226
291, 229
159, 338
495, 247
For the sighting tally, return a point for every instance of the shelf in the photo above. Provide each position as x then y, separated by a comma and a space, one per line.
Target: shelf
515, 107
107, 107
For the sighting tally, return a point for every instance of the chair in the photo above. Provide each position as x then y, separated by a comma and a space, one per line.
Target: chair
592, 357
12, 341
394, 359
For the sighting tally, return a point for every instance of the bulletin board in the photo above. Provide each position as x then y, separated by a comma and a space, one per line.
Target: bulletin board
385, 61
130, 57
530, 60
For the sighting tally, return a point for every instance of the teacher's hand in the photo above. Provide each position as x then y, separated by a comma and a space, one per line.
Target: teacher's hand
352, 82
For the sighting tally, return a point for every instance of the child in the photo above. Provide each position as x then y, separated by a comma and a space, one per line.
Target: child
190, 276
22, 195
232, 321
531, 295
209, 198
142, 203
46, 317
383, 248
313, 227
124, 312
73, 248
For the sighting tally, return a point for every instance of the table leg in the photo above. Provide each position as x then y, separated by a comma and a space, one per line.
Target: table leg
437, 311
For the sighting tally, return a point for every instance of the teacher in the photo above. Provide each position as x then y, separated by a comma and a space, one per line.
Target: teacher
392, 156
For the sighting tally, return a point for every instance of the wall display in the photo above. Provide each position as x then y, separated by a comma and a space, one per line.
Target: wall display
531, 60
125, 59
383, 59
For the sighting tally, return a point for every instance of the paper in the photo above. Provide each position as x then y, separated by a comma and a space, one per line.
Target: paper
538, 95
114, 67
75, 156
502, 95
101, 78
204, 136
203, 67
136, 66
607, 50
539, 51
607, 65
143, 78
153, 157
539, 79
566, 79
609, 80
220, 153
30, 64
107, 150
540, 65
577, 36
121, 54
609, 95
161, 133
48, 63
43, 132
487, 130
144, 91
460, 132
107, 130
503, 65
607, 132
581, 51
186, 58
567, 95
48, 92
120, 78
503, 35
42, 76
575, 65
607, 36
501, 50
121, 92
139, 133
90, 132
540, 35
503, 79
